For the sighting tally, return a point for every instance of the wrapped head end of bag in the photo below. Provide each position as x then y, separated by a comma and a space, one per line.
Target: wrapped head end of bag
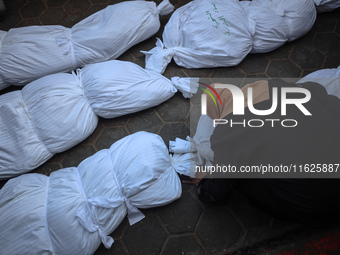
165, 8
187, 86
158, 58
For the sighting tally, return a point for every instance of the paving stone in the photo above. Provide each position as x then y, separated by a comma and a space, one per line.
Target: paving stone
226, 72
169, 132
120, 230
183, 245
146, 120
99, 1
174, 109
181, 215
109, 136
29, 22
78, 154
254, 63
53, 16
193, 118
145, 237
116, 249
324, 23
200, 72
77, 6
283, 69
328, 43
281, 52
218, 230
33, 9
332, 61
172, 71
115, 122
302, 56
11, 20
71, 20
14, 5
55, 3
250, 216
95, 8
47, 169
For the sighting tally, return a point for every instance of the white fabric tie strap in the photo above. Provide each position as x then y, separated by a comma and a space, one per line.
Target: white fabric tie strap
158, 58
164, 8
88, 217
188, 86
67, 40
134, 215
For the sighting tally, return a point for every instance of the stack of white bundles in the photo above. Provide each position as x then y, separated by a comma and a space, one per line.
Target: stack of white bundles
43, 50
271, 31
75, 209
56, 112
329, 78
299, 15
204, 33
326, 5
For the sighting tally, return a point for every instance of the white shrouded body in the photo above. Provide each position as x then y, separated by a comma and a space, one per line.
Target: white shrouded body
56, 112
105, 35
75, 209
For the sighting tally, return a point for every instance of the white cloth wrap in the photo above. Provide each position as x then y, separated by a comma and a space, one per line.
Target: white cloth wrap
191, 39
56, 112
299, 15
198, 147
115, 88
36, 54
329, 78
43, 50
91, 199
271, 29
326, 5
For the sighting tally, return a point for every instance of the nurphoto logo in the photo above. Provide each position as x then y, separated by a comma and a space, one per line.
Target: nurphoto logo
239, 106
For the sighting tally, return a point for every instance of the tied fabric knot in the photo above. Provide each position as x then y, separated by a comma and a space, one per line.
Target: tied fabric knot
67, 40
187, 86
158, 58
164, 8
134, 215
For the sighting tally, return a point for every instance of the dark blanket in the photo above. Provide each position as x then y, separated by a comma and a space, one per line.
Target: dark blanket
316, 139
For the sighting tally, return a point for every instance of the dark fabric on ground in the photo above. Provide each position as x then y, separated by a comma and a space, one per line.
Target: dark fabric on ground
316, 139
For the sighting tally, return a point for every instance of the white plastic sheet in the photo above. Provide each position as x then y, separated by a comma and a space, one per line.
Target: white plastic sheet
56, 112
76, 208
203, 33
105, 35
329, 78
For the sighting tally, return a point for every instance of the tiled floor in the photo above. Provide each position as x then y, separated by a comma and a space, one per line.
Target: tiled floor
186, 226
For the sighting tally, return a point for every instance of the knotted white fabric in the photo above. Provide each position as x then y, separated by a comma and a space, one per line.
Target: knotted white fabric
198, 147
91, 199
203, 33
105, 35
56, 112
